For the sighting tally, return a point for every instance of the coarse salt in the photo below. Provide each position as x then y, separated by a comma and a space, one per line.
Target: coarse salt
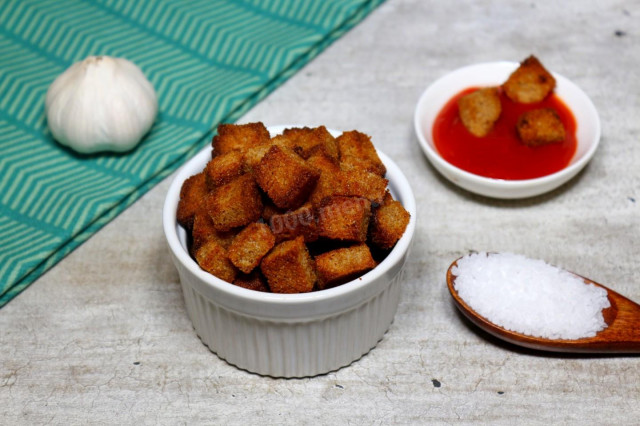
530, 296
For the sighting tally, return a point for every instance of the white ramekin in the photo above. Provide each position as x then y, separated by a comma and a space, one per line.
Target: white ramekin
289, 335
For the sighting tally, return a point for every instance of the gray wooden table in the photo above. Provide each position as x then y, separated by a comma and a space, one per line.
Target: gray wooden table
104, 337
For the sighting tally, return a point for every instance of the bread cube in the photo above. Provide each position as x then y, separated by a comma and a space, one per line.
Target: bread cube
253, 281
480, 110
530, 83
344, 218
329, 169
361, 183
300, 222
289, 268
285, 177
540, 127
235, 204
192, 195
224, 168
203, 231
389, 221
239, 137
344, 264
253, 156
213, 258
306, 140
270, 210
324, 162
357, 151
250, 245
354, 182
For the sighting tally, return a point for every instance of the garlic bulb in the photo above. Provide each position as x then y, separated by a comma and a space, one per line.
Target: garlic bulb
101, 104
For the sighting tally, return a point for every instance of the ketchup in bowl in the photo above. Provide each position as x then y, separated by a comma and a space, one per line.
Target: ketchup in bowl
500, 154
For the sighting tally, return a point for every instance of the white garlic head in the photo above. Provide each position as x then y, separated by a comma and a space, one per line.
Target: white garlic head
101, 104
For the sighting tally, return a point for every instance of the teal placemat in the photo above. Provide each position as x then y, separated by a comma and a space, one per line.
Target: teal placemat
210, 61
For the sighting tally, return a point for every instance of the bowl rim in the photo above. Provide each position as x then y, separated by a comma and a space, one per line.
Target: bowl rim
506, 184
398, 183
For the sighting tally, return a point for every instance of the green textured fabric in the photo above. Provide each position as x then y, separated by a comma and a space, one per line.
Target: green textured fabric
210, 61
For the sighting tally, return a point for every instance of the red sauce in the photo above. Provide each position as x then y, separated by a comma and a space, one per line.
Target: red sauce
500, 154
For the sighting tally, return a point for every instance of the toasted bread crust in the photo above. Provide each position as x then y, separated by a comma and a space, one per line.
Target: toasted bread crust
357, 151
235, 204
361, 183
341, 265
213, 258
300, 222
250, 246
192, 195
224, 168
285, 177
232, 137
289, 268
307, 140
540, 127
253, 281
203, 231
480, 110
344, 218
389, 221
530, 82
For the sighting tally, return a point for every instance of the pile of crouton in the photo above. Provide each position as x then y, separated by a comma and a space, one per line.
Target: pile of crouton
529, 83
293, 213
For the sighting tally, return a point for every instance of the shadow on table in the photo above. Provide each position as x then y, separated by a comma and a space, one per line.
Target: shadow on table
491, 339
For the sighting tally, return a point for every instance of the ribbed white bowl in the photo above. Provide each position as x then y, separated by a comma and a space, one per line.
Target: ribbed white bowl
289, 335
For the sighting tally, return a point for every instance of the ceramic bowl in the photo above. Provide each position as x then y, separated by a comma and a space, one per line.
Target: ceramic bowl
493, 74
289, 335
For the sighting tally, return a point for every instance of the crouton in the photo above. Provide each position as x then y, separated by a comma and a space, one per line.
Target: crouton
235, 204
388, 223
213, 258
306, 140
289, 225
224, 168
341, 265
531, 82
540, 127
344, 218
289, 268
356, 150
270, 210
285, 177
239, 137
250, 245
203, 231
323, 161
329, 169
354, 182
253, 281
361, 183
254, 155
479, 110
192, 195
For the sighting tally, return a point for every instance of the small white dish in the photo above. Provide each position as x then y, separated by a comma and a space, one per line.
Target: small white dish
289, 335
493, 74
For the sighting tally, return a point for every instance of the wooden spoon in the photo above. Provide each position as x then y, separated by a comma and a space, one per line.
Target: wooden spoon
622, 334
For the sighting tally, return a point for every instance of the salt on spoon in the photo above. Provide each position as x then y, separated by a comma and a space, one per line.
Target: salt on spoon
530, 303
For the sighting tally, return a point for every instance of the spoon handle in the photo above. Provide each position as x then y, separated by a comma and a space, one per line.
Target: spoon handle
623, 333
